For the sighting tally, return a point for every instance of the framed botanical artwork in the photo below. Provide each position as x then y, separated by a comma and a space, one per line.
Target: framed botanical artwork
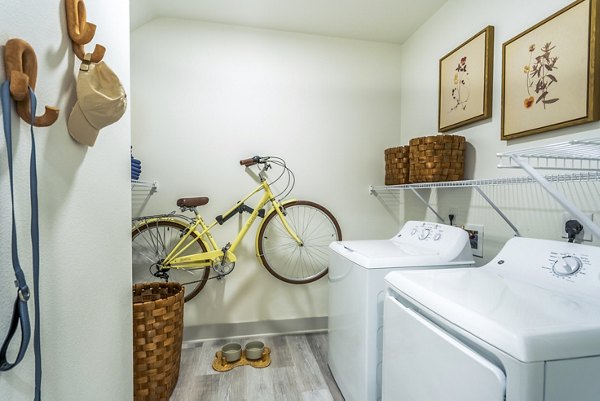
550, 73
465, 86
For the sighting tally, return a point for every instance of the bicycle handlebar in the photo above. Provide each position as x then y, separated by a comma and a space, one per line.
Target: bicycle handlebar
252, 161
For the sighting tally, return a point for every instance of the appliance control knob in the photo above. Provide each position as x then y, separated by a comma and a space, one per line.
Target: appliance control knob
567, 265
413, 231
424, 233
437, 236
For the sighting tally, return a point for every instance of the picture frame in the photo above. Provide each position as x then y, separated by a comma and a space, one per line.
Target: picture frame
550, 73
466, 81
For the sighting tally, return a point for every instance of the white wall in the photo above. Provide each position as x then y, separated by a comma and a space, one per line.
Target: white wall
530, 209
207, 95
85, 281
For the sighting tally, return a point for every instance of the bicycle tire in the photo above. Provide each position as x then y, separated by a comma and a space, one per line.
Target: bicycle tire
151, 242
283, 257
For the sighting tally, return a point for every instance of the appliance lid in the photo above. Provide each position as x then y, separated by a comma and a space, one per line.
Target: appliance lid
529, 322
418, 244
374, 254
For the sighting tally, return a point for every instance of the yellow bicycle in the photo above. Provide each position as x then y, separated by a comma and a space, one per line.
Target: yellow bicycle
291, 241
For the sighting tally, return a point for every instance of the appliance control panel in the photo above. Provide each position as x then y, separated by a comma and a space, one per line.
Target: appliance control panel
424, 232
568, 264
448, 243
551, 264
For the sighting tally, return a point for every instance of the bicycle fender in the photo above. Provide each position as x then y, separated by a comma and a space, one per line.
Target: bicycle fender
143, 222
270, 212
174, 219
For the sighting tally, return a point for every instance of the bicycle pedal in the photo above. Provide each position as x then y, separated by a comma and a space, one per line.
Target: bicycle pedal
162, 275
225, 249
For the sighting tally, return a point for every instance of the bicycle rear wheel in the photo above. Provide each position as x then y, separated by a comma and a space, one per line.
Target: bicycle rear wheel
283, 257
150, 244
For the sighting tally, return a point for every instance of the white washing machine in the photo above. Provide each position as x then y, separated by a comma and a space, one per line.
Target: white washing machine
356, 286
524, 327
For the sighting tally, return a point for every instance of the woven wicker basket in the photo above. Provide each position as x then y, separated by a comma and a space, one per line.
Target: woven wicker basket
157, 336
396, 165
437, 158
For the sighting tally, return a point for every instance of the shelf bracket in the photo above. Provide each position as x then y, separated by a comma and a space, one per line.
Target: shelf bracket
427, 204
497, 209
152, 185
147, 189
560, 198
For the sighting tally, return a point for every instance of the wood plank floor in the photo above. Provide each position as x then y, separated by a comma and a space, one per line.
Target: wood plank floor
298, 372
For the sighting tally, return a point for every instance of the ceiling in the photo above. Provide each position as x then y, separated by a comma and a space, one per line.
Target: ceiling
375, 20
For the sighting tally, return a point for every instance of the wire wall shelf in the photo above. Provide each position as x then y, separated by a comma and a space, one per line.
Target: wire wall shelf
556, 178
579, 154
582, 155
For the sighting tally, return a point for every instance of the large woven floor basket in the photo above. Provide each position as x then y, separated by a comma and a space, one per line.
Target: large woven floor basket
157, 337
437, 158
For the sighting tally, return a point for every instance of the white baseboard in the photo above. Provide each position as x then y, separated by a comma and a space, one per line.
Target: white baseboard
202, 333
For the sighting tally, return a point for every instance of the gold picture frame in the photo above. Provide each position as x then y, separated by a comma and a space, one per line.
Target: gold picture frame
465, 82
550, 73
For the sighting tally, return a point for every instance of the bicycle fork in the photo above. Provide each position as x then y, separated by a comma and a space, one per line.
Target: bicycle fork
280, 210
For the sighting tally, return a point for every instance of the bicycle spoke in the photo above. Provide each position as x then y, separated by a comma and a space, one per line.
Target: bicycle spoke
151, 244
317, 253
325, 238
278, 226
309, 219
150, 259
320, 249
293, 256
315, 228
289, 246
311, 258
314, 225
161, 240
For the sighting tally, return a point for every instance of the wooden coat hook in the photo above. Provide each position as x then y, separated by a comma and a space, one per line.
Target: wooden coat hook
20, 64
80, 31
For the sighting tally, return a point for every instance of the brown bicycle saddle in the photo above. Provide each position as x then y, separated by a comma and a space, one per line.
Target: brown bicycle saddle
192, 202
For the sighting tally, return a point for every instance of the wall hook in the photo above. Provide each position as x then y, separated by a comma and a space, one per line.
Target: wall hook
20, 64
97, 54
80, 31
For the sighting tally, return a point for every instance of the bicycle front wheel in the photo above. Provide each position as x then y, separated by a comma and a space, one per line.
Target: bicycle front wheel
150, 244
283, 257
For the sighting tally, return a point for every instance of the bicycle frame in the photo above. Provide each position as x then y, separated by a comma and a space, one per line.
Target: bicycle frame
202, 230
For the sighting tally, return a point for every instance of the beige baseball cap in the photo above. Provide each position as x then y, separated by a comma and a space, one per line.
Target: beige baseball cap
101, 101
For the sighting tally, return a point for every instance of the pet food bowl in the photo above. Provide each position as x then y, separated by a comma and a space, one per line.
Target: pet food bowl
254, 350
232, 352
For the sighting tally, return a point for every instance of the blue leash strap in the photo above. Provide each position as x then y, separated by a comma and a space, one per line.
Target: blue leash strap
35, 253
20, 311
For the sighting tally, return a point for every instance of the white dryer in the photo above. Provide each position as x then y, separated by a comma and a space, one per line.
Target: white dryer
524, 327
356, 286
